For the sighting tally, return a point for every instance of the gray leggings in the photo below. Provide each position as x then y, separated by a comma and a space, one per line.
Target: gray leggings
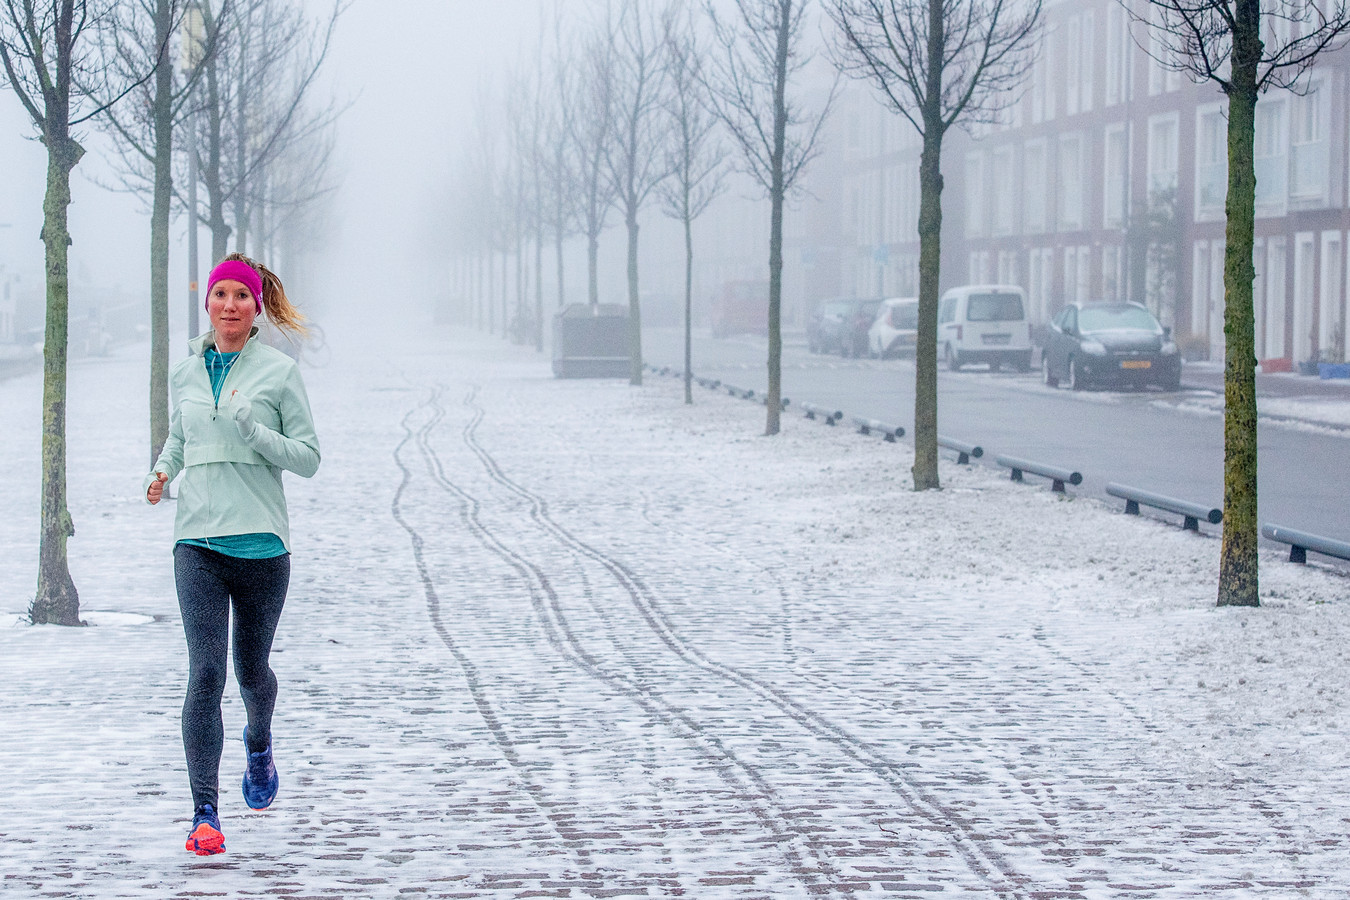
209, 583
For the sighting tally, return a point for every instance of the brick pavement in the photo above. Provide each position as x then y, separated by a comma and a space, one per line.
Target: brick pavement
546, 639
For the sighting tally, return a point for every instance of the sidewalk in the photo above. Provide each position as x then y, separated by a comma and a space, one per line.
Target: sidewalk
575, 639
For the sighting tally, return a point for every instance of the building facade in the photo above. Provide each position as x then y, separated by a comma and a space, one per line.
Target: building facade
1106, 179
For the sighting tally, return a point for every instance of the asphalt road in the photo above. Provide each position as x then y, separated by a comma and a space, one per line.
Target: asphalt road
1170, 444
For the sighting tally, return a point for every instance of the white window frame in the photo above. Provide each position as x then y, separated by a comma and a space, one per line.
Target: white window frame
1070, 184
1310, 143
976, 220
1211, 162
1035, 191
1163, 157
1116, 184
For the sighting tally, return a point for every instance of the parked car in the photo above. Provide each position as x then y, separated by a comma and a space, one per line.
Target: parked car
985, 323
1117, 343
840, 326
895, 330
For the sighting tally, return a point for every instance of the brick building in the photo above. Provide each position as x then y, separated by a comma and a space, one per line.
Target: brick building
1106, 179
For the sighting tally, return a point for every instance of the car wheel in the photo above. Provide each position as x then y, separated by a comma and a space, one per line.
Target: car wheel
952, 357
1024, 363
1171, 383
1076, 380
1051, 379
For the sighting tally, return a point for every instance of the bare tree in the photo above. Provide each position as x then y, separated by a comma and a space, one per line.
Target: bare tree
558, 162
937, 63
695, 157
258, 89
591, 118
636, 158
748, 85
49, 53
1224, 42
143, 33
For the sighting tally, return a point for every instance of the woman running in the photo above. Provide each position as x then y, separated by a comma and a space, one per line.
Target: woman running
240, 416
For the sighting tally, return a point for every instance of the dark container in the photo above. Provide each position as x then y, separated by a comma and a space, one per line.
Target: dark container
591, 341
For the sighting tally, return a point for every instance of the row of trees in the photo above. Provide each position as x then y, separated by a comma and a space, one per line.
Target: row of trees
216, 94
937, 63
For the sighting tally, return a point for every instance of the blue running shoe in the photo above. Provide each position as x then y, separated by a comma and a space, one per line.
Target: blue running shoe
260, 777
205, 838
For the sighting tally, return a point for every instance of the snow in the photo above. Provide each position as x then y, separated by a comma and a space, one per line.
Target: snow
575, 638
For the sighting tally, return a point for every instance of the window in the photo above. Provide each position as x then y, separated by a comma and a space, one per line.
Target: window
994, 308
1211, 162
1008, 270
1305, 275
1119, 55
975, 194
947, 311
1070, 212
1275, 279
1271, 155
1001, 187
1089, 66
1113, 281
1330, 326
1034, 187
1309, 150
1162, 155
1116, 176
1073, 63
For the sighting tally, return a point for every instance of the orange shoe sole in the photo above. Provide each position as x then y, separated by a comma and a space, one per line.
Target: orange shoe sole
206, 841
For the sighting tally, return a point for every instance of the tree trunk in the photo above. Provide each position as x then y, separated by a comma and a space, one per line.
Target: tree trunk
592, 267
159, 239
558, 238
57, 602
211, 178
1239, 583
539, 277
634, 301
490, 298
688, 303
925, 469
773, 402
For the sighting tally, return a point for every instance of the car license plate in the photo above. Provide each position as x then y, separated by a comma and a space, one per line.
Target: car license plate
1137, 364
996, 338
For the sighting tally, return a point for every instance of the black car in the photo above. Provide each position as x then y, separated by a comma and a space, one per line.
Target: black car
1110, 343
834, 326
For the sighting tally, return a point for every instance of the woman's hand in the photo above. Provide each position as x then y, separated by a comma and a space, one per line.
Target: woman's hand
241, 408
156, 489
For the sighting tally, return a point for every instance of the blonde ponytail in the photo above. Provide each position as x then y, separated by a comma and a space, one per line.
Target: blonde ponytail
281, 312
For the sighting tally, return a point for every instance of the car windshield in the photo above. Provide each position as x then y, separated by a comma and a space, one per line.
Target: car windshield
994, 308
905, 315
1116, 318
834, 308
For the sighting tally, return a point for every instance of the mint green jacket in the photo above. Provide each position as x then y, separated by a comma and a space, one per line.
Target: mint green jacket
230, 485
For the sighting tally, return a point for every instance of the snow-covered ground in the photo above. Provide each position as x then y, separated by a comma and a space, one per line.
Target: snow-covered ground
573, 638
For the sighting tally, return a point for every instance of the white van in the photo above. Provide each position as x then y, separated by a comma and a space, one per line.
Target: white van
985, 323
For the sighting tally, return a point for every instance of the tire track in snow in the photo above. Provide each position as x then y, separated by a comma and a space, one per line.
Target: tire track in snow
750, 784
983, 859
534, 790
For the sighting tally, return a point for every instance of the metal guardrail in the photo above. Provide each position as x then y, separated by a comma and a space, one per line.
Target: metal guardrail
1300, 542
889, 432
829, 417
964, 452
1059, 476
1192, 513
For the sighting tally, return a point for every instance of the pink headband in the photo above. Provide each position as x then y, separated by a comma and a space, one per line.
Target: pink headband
234, 270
